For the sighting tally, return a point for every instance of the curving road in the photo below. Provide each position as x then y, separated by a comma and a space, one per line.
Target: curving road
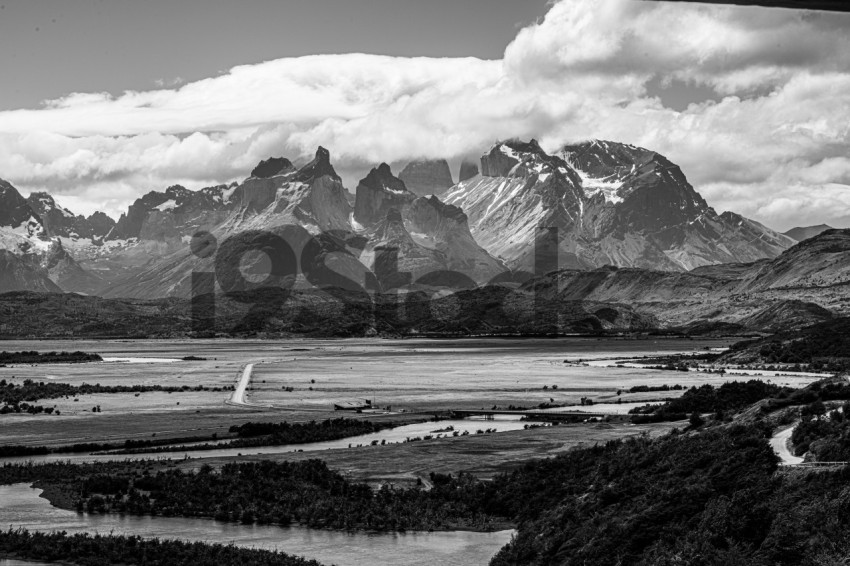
779, 442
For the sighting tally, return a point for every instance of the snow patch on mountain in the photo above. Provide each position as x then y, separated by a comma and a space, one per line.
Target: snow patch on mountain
604, 186
170, 204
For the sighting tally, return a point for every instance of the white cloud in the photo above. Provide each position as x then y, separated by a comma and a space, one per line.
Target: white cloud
781, 134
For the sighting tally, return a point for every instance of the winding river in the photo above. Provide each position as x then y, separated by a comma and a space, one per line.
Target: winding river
22, 507
502, 423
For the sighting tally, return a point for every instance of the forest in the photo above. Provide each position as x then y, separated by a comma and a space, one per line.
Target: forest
100, 550
821, 347
146, 445
277, 434
725, 399
823, 433
702, 498
265, 492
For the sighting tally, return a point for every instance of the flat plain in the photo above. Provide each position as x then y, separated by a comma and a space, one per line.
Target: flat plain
301, 380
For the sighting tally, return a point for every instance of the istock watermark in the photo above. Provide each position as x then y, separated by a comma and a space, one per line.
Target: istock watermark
330, 263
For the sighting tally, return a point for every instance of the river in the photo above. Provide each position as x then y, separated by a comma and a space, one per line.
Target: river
502, 423
22, 507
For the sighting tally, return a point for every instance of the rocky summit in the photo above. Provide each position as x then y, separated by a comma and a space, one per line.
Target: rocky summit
425, 178
611, 203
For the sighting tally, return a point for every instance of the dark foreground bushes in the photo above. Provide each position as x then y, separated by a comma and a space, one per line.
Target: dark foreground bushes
726, 399
708, 498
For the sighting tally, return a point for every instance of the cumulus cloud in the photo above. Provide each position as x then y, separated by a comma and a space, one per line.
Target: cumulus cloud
774, 146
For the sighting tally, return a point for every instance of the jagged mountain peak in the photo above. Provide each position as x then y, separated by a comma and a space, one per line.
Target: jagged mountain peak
381, 177
14, 208
517, 158
59, 221
377, 193
427, 177
611, 203
7, 187
320, 166
43, 203
178, 191
446, 210
271, 167
615, 170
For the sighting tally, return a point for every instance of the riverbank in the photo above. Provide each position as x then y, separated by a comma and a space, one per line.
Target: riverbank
23, 507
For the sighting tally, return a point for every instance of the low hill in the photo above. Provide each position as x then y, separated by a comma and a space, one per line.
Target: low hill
821, 346
805, 232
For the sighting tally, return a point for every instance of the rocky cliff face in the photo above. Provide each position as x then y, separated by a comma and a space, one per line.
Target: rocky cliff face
14, 208
24, 273
424, 178
395, 257
428, 238
69, 275
611, 203
445, 228
378, 193
59, 221
468, 170
21, 229
171, 214
271, 167
521, 190
311, 198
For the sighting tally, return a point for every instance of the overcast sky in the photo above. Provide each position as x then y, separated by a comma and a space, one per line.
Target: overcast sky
103, 101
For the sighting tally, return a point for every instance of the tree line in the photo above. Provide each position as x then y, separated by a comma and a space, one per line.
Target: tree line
252, 435
264, 492
98, 550
20, 397
33, 357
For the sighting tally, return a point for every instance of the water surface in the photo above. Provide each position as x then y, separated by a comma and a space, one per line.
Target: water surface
22, 507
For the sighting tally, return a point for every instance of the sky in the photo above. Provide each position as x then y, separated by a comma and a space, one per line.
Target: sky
104, 101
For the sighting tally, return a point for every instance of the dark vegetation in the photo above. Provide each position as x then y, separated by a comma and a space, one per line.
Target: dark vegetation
821, 347
729, 398
99, 550
250, 435
678, 362
650, 388
493, 310
830, 389
824, 434
9, 451
699, 498
265, 492
277, 434
47, 357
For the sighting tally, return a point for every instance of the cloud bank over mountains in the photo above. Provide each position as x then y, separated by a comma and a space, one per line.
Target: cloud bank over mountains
774, 144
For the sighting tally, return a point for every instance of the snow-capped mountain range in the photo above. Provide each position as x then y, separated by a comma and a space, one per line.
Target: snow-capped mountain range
612, 204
